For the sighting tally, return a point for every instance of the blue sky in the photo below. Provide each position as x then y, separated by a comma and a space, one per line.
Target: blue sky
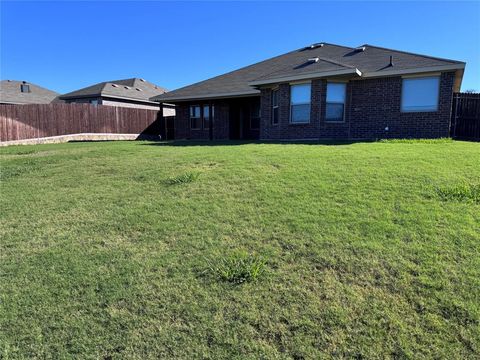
68, 45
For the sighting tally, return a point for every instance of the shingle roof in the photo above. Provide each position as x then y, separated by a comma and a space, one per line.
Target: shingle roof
10, 92
134, 88
332, 60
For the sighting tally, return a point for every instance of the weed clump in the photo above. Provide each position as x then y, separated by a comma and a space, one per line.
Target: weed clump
183, 178
460, 192
238, 268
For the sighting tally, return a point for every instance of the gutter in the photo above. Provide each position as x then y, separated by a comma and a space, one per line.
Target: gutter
414, 70
316, 75
253, 92
107, 96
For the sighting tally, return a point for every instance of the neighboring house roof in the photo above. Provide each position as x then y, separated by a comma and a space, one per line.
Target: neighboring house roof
131, 89
315, 61
11, 93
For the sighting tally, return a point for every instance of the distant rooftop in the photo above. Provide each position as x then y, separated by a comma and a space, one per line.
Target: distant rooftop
134, 88
24, 92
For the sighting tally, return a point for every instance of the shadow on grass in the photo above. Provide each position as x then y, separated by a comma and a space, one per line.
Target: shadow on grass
249, 142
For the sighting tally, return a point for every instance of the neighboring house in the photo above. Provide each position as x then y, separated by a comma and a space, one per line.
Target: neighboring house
124, 93
323, 91
23, 92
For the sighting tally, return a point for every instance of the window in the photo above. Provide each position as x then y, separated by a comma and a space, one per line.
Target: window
420, 94
206, 116
24, 88
275, 107
255, 116
195, 119
94, 102
335, 109
300, 104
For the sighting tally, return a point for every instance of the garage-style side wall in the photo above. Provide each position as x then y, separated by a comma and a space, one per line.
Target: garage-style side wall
371, 106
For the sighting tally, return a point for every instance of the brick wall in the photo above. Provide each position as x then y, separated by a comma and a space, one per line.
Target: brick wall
220, 127
376, 105
371, 106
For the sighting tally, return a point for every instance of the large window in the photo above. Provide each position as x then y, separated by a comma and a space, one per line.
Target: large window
195, 117
300, 103
335, 110
275, 107
420, 94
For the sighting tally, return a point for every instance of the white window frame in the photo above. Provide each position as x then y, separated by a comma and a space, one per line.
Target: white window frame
309, 83
332, 102
410, 78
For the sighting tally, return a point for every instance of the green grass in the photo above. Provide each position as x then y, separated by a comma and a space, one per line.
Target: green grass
238, 268
365, 250
461, 191
183, 178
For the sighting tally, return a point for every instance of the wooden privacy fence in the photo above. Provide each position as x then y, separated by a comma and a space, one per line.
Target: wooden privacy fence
466, 116
19, 122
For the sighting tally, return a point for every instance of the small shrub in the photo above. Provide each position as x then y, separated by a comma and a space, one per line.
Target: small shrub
183, 179
238, 268
460, 192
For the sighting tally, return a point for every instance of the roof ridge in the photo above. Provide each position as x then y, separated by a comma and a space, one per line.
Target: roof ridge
412, 53
342, 46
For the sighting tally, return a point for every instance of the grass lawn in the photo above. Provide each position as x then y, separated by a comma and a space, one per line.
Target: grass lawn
140, 250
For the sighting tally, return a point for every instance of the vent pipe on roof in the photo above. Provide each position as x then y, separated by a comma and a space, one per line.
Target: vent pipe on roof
313, 46
313, 60
360, 49
391, 61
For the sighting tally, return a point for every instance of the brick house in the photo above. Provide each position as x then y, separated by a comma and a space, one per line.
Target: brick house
322, 91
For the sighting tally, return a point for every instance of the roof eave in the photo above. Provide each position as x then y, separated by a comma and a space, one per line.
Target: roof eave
316, 75
417, 70
69, 97
253, 92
